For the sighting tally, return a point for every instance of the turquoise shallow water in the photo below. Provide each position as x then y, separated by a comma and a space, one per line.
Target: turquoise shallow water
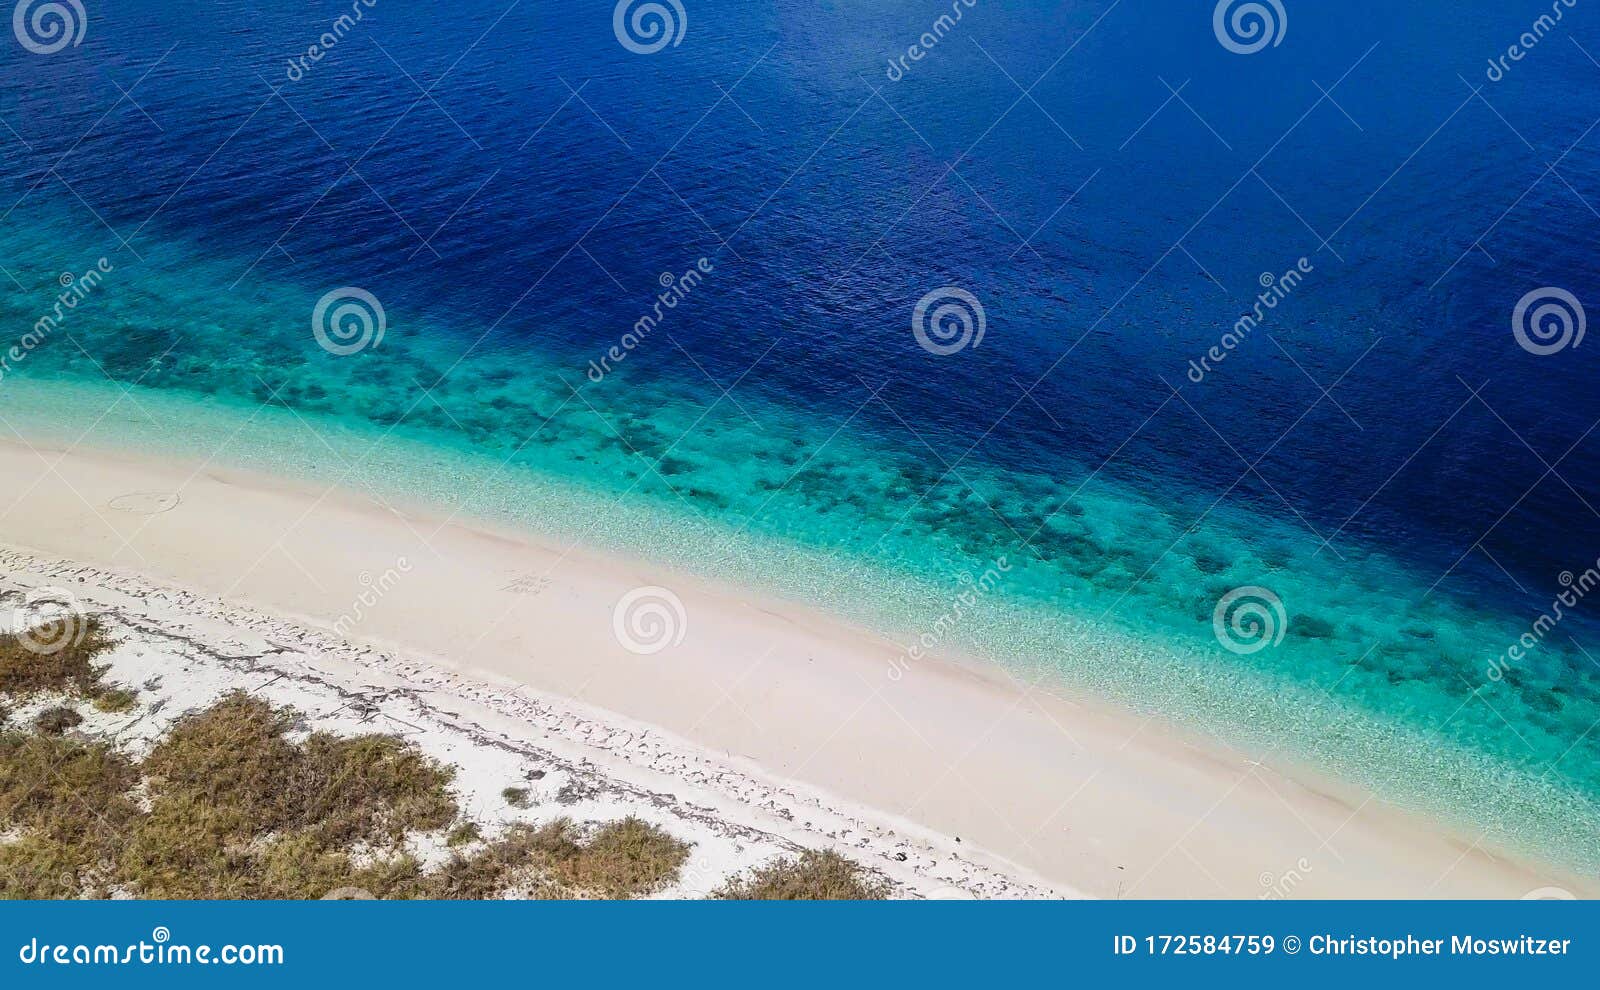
1376, 678
512, 181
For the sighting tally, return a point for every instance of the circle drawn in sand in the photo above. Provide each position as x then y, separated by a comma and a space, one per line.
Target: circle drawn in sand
146, 503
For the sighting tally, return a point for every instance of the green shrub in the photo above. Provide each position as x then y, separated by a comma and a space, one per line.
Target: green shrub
464, 834
116, 700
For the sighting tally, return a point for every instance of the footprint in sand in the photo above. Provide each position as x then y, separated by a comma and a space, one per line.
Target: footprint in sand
146, 503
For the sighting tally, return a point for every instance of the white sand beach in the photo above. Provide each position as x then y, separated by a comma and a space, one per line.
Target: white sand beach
772, 724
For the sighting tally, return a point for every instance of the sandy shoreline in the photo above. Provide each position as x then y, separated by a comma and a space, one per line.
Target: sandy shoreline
182, 653
1028, 789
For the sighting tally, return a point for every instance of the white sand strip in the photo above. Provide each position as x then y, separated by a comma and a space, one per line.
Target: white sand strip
764, 705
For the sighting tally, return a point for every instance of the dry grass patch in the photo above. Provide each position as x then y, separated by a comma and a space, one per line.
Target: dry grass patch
230, 804
510, 864
464, 834
39, 867
187, 848
62, 787
70, 802
235, 756
71, 669
629, 858
371, 789
238, 810
232, 756
814, 876
115, 700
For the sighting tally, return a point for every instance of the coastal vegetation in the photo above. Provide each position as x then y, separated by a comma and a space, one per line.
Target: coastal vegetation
240, 800
66, 667
815, 875
237, 801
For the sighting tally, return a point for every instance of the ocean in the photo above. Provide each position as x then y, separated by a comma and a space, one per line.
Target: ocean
1226, 361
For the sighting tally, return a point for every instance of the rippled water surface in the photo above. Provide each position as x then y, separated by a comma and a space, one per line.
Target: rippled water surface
1404, 485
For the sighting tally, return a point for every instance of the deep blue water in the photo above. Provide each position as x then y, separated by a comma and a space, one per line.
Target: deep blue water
1107, 179
815, 261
